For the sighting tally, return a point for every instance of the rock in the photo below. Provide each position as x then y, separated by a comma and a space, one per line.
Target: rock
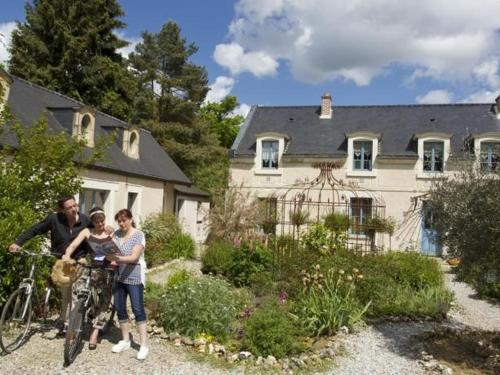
344, 330
219, 349
210, 348
150, 329
259, 361
232, 358
178, 341
447, 371
270, 361
200, 341
187, 341
202, 348
244, 355
429, 365
327, 353
320, 344
439, 367
427, 357
173, 336
298, 362
285, 364
157, 330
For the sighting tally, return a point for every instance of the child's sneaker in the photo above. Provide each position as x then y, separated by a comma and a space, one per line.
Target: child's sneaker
121, 346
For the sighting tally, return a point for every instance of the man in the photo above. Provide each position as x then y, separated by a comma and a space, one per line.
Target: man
63, 226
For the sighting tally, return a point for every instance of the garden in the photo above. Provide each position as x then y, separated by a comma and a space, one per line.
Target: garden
275, 297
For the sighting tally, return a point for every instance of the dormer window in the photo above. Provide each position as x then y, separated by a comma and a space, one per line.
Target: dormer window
362, 155
489, 156
131, 143
84, 125
270, 153
433, 156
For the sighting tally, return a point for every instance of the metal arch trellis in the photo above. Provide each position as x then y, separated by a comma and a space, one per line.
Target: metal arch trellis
305, 203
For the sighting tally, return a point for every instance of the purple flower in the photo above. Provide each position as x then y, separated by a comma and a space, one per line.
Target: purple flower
283, 296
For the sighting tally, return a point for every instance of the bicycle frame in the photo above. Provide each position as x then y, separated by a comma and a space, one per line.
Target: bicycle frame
29, 284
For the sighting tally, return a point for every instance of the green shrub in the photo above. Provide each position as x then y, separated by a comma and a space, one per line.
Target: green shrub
261, 283
337, 222
246, 260
328, 301
178, 277
165, 240
217, 258
270, 331
154, 294
181, 245
201, 305
317, 239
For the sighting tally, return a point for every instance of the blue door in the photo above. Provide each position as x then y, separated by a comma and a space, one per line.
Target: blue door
430, 244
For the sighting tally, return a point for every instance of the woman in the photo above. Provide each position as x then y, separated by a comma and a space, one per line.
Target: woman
101, 244
130, 281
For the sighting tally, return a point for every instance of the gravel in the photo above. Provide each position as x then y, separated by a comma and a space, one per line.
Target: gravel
388, 348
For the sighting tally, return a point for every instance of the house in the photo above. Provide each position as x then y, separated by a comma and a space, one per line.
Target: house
136, 172
362, 161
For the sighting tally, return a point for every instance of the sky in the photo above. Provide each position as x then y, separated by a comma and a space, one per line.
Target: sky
363, 52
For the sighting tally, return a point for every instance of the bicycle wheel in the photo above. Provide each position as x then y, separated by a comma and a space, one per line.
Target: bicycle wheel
73, 340
15, 320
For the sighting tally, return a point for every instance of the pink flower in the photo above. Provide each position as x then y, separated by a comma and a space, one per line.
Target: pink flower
283, 296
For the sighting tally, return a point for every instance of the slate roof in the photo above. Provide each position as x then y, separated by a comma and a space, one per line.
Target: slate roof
191, 191
311, 136
28, 101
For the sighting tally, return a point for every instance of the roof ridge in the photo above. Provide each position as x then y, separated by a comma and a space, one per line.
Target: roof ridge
67, 97
377, 105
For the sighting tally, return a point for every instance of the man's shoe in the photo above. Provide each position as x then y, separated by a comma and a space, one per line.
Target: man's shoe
62, 330
143, 353
121, 346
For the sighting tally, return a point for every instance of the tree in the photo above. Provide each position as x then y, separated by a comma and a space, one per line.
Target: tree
466, 212
161, 64
33, 175
221, 120
70, 46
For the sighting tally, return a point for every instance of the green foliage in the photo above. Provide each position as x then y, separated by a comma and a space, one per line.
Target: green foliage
317, 238
466, 210
381, 224
178, 277
328, 301
165, 241
221, 121
32, 177
337, 222
298, 217
271, 331
201, 305
261, 283
247, 260
218, 257
71, 47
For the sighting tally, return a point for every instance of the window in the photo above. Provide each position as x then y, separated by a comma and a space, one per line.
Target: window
132, 202
270, 154
86, 120
91, 198
269, 207
433, 156
489, 156
362, 155
361, 210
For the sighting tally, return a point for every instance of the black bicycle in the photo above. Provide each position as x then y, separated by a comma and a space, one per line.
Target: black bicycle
84, 311
17, 312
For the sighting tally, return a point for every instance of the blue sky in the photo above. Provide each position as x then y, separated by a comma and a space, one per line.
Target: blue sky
365, 52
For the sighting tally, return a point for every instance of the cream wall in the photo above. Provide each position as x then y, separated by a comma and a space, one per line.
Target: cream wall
192, 216
150, 193
400, 185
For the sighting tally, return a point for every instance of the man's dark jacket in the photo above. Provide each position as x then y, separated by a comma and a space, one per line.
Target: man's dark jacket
60, 233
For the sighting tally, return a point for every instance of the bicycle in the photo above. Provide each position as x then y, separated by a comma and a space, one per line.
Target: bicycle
17, 312
84, 311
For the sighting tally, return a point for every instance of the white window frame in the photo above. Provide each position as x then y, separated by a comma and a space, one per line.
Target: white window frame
362, 137
432, 137
493, 137
266, 137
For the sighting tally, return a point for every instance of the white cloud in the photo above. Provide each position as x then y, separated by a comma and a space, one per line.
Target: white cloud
482, 96
219, 89
233, 57
132, 42
436, 97
320, 40
242, 110
5, 35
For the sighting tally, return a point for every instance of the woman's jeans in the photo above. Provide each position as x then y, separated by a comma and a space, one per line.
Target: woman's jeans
136, 293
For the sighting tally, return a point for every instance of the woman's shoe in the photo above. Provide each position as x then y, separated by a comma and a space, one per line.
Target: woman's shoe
121, 346
143, 353
92, 346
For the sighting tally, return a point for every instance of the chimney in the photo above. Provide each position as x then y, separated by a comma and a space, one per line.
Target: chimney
497, 106
326, 106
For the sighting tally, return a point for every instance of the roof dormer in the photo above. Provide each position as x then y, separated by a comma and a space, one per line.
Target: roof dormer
131, 138
84, 124
5, 82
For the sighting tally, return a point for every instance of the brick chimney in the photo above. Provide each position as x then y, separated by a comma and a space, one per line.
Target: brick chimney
326, 106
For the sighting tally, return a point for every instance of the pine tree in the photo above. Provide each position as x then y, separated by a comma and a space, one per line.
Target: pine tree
70, 46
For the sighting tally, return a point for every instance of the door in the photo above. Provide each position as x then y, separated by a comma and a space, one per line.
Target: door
429, 244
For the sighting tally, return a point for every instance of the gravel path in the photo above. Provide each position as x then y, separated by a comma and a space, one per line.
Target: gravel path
470, 310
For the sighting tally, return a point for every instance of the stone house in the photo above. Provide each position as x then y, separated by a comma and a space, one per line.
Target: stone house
362, 161
136, 172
